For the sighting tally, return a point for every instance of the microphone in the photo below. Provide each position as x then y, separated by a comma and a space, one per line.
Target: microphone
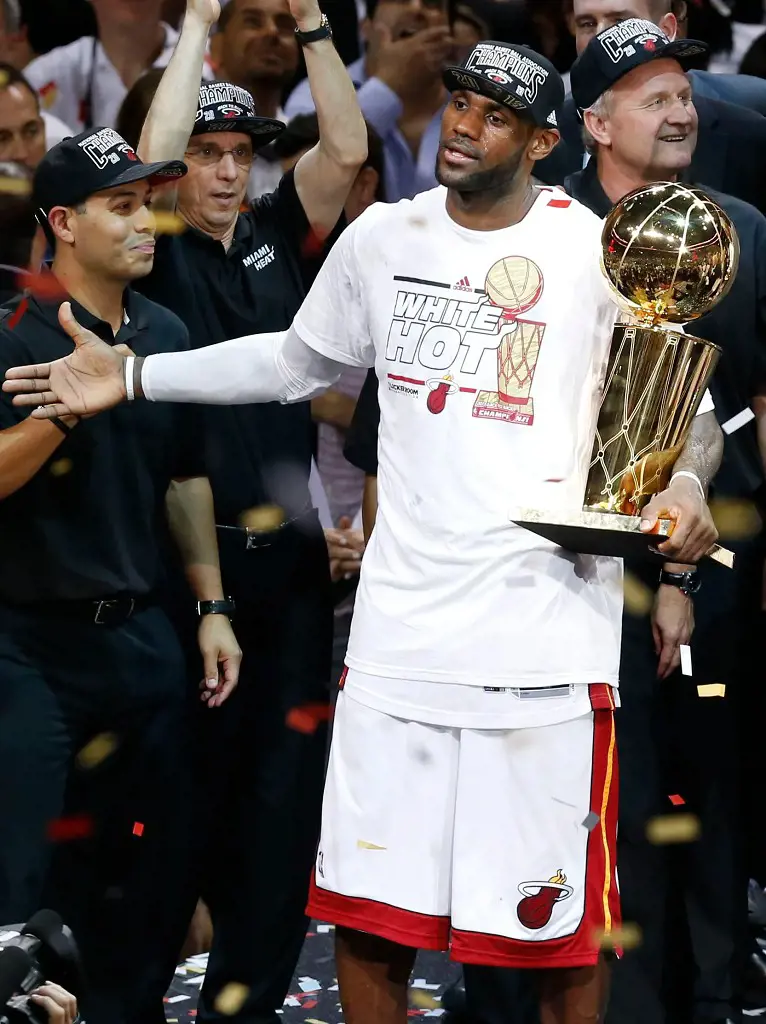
15, 965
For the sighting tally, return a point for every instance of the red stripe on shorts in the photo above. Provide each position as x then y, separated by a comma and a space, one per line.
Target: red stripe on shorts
404, 927
602, 905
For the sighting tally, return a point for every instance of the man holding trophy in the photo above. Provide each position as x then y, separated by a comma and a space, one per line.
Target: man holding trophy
471, 794
641, 128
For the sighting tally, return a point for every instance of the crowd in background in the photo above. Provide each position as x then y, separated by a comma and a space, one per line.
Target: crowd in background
70, 65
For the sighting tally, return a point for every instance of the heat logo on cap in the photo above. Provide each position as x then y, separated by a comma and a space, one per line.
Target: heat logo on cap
516, 68
106, 147
621, 39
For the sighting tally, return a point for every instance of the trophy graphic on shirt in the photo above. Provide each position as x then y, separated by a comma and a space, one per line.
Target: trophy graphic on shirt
669, 254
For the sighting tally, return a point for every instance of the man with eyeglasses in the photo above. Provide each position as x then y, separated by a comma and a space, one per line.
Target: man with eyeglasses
227, 273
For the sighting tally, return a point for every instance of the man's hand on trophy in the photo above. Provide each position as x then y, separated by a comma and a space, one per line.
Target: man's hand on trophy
694, 532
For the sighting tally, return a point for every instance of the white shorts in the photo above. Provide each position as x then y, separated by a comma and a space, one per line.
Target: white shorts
472, 840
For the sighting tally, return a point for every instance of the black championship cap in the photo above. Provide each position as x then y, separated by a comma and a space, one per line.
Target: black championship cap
224, 107
512, 75
617, 50
92, 162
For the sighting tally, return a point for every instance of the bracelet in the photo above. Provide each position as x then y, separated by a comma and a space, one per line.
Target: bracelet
63, 427
691, 476
130, 393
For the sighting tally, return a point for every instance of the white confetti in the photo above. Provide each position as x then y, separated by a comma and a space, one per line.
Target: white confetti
309, 984
177, 999
686, 659
738, 421
422, 983
323, 928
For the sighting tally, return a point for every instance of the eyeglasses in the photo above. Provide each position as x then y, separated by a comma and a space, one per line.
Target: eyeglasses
210, 154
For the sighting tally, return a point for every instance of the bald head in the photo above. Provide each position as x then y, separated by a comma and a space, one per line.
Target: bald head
593, 16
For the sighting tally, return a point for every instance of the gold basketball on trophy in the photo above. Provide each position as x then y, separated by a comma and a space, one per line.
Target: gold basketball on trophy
669, 253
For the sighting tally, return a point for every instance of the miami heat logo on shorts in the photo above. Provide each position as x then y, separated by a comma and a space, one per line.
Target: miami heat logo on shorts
515, 284
535, 909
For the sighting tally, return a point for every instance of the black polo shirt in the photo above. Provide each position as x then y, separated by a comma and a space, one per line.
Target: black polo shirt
361, 446
254, 454
737, 324
91, 522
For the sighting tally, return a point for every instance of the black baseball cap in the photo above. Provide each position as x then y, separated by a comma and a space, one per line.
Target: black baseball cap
90, 162
617, 50
513, 75
224, 107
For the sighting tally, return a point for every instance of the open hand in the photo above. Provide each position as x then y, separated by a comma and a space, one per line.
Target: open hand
88, 381
694, 532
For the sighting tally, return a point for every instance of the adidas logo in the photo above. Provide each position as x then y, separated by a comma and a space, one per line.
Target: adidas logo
552, 119
463, 285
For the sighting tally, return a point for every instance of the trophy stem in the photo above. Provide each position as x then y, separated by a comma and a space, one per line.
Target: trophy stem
655, 380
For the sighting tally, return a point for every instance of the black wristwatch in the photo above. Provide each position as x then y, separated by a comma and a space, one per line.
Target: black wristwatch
225, 607
323, 32
687, 582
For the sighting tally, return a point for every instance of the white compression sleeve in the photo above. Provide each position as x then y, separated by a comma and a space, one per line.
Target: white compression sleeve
277, 367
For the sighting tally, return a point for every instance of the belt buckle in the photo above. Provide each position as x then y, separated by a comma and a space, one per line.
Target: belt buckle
106, 606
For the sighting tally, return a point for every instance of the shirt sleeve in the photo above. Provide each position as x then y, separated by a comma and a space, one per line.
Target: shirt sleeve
284, 210
361, 447
58, 78
333, 319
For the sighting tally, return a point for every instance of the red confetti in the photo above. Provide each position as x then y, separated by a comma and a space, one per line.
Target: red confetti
676, 800
60, 830
138, 829
307, 717
313, 245
43, 285
21, 309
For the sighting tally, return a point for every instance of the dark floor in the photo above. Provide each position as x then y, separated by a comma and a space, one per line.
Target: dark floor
313, 997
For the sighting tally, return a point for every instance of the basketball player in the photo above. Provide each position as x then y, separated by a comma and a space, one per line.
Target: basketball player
471, 794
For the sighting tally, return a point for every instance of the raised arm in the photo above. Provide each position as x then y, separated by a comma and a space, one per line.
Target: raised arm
324, 175
258, 368
170, 120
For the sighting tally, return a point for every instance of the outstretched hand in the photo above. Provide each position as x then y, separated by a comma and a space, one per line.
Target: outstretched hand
88, 381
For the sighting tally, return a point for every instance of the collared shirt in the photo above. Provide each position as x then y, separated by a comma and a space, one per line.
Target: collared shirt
737, 324
91, 522
254, 454
78, 82
405, 174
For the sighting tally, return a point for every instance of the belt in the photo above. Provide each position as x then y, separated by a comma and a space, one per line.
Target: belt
107, 611
250, 538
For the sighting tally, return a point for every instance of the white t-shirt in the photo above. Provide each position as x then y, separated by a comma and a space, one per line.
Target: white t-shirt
490, 347
64, 76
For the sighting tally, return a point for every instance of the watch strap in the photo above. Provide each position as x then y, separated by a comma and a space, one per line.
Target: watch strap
224, 607
323, 32
687, 582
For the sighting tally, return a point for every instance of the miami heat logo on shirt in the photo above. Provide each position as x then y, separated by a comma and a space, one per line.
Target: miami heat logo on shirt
438, 331
535, 910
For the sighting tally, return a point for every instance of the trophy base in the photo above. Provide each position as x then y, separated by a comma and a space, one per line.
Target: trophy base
604, 533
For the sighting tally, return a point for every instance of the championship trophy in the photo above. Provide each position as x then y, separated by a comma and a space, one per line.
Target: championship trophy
669, 254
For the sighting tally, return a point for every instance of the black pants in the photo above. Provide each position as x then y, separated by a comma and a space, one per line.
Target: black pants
259, 782
64, 681
690, 900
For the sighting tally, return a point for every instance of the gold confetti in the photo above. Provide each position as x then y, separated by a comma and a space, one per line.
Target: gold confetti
735, 519
99, 748
638, 597
673, 828
169, 223
3, 79
15, 186
422, 1000
61, 467
711, 690
231, 998
262, 518
628, 936
362, 844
